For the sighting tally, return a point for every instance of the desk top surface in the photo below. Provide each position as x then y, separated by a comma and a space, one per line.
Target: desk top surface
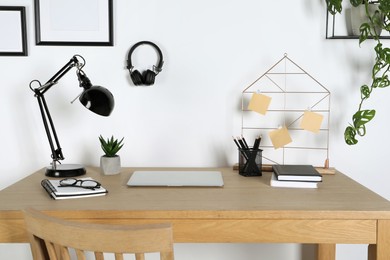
338, 197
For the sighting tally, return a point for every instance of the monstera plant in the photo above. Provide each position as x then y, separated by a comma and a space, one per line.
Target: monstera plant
381, 67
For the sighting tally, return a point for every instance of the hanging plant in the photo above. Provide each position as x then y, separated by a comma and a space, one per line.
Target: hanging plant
380, 71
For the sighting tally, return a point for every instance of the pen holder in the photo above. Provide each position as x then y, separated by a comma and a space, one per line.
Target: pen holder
249, 162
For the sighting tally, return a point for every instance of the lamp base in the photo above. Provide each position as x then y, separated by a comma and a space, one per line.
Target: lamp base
65, 170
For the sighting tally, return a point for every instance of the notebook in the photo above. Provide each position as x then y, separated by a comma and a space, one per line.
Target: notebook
176, 178
296, 173
57, 192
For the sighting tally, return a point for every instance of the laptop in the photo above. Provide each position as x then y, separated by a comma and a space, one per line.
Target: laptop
176, 178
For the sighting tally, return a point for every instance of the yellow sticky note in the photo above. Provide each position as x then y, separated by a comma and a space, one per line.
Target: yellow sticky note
312, 121
280, 137
259, 103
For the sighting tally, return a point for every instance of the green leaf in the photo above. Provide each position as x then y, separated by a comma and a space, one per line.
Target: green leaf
378, 48
356, 3
385, 82
334, 6
111, 146
381, 82
365, 31
365, 92
386, 55
384, 6
362, 117
377, 19
376, 68
349, 135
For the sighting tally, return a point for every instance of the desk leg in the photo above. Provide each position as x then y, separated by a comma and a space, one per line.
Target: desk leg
383, 241
326, 252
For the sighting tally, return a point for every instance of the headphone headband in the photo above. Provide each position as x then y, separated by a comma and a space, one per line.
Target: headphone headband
158, 67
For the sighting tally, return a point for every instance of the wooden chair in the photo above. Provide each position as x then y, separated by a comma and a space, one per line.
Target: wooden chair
50, 238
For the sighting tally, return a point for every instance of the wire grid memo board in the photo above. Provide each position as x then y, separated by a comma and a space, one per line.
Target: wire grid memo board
292, 91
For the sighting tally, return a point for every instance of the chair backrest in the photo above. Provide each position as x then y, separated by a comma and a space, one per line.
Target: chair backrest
51, 238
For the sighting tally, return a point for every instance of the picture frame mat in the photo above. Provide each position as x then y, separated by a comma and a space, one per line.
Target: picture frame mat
73, 22
13, 31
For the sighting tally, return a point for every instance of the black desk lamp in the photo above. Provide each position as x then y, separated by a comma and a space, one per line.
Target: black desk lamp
95, 98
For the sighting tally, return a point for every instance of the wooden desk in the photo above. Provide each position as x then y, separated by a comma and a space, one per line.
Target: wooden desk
247, 209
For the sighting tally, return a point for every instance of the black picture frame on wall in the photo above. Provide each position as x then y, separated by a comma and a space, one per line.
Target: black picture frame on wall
13, 31
74, 22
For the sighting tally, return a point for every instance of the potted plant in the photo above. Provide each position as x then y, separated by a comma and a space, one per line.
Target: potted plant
110, 162
358, 16
380, 70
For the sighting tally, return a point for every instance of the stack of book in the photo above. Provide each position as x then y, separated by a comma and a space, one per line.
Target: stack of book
58, 192
295, 176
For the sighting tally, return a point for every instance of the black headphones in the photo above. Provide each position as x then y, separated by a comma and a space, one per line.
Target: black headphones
147, 77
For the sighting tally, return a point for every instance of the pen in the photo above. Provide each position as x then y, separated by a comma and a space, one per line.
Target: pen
241, 144
245, 143
257, 143
240, 148
234, 139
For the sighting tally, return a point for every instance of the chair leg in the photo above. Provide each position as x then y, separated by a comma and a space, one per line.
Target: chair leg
140, 256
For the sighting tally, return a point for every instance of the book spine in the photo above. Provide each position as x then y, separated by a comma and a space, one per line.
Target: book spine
48, 187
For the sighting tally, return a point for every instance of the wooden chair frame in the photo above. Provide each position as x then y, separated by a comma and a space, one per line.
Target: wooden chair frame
50, 238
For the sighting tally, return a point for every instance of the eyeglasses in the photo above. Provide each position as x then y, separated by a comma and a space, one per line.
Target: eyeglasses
85, 184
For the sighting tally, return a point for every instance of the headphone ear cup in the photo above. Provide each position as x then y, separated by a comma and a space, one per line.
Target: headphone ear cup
148, 77
136, 77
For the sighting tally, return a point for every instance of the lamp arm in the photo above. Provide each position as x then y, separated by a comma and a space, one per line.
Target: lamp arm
73, 62
56, 150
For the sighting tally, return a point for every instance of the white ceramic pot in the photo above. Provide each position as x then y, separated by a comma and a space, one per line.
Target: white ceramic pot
110, 165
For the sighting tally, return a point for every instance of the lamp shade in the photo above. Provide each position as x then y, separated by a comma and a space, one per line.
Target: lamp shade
98, 99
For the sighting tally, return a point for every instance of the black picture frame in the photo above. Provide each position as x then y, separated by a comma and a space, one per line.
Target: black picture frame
74, 23
13, 32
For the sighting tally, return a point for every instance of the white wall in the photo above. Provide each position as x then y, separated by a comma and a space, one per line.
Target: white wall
212, 50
